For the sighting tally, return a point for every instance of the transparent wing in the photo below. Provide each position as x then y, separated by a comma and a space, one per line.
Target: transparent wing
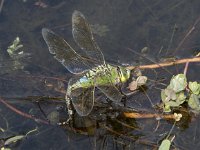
82, 98
83, 37
111, 92
109, 89
64, 53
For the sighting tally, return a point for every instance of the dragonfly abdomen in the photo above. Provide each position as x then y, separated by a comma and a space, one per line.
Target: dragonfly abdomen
98, 76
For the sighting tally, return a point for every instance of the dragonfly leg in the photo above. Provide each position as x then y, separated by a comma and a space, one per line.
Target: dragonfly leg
70, 112
69, 107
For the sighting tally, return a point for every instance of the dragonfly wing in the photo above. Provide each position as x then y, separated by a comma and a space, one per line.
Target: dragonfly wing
111, 92
108, 84
82, 98
64, 53
83, 37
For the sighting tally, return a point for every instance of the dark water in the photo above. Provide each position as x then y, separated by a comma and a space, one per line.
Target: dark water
167, 28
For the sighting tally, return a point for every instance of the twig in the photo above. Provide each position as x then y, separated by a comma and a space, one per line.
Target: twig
187, 34
22, 113
165, 64
171, 39
117, 133
127, 125
143, 116
1, 5
149, 60
186, 68
141, 141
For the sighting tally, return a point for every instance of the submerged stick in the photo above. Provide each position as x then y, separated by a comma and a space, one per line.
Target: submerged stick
148, 115
17, 111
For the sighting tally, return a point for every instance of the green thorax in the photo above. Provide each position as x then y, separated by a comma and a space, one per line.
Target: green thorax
102, 75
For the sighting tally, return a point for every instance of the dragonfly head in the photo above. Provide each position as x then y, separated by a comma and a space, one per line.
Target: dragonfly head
124, 74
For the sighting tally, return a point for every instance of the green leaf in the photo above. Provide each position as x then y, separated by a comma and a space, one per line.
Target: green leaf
14, 139
167, 95
194, 87
171, 95
167, 108
180, 98
14, 48
173, 104
163, 96
178, 83
165, 145
194, 103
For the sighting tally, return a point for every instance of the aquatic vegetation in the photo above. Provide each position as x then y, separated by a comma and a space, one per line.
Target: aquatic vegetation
16, 54
165, 145
135, 84
180, 91
13, 49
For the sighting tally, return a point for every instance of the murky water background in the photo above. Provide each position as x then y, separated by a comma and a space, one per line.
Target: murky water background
166, 28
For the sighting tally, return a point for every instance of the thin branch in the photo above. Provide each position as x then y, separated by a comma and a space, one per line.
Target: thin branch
186, 68
1, 5
148, 115
187, 34
165, 64
22, 113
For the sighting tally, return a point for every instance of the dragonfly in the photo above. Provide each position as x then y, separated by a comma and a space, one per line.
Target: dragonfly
90, 69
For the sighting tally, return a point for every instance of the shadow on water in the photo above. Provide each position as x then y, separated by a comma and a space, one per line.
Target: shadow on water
38, 86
